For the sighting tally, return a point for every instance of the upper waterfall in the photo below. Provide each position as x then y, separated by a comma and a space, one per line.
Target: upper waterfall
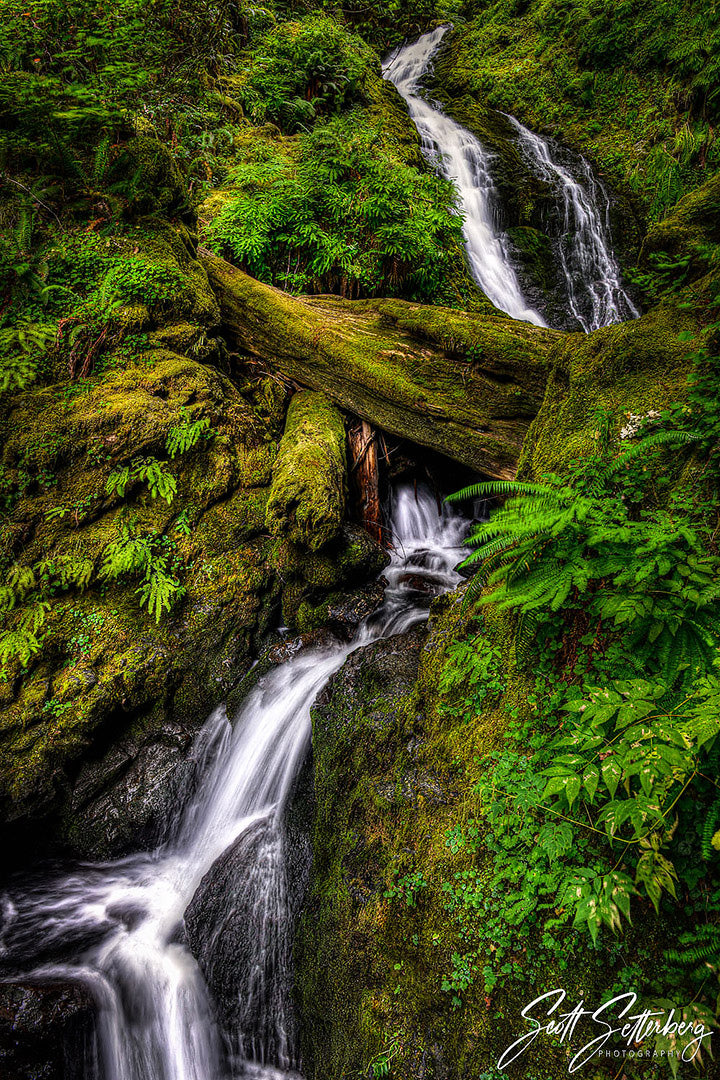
461, 158
581, 227
592, 274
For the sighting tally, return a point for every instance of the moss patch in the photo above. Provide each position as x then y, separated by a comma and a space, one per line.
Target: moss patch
309, 484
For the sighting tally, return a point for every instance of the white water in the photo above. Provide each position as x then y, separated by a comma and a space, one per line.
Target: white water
117, 927
592, 274
461, 158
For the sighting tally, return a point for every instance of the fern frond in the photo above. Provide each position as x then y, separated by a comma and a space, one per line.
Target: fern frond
651, 442
489, 488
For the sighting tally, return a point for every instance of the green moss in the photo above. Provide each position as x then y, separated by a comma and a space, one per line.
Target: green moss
633, 368
309, 483
157, 186
604, 83
105, 665
692, 225
465, 384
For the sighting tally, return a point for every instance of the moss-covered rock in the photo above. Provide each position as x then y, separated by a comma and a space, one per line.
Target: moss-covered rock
691, 231
106, 670
157, 185
383, 940
630, 369
309, 484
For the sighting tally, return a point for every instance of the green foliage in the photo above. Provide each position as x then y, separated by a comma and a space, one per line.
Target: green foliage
604, 799
187, 434
473, 673
406, 888
151, 556
22, 349
349, 216
149, 470
644, 574
26, 599
303, 69
381, 1065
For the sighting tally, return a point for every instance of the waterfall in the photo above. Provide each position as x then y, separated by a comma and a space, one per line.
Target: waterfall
592, 276
591, 271
461, 158
117, 927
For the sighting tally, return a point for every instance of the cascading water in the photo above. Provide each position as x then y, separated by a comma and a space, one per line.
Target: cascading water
592, 274
460, 157
117, 927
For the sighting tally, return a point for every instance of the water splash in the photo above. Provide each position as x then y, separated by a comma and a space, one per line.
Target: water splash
117, 927
461, 158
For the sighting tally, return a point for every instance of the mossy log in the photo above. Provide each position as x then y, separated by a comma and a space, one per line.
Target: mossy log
309, 484
466, 385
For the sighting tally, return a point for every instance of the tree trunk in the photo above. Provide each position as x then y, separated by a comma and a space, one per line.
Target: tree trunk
365, 478
466, 385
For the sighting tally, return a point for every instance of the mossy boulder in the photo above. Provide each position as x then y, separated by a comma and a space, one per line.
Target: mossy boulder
156, 185
631, 369
309, 484
316, 582
383, 935
106, 670
690, 232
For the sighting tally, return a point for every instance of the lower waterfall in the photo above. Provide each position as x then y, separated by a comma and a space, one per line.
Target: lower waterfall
117, 927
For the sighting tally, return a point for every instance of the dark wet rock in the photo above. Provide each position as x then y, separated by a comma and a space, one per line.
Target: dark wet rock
224, 919
124, 801
46, 1032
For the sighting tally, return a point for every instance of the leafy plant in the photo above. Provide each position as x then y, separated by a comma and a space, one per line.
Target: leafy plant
188, 433
645, 574
349, 217
149, 470
150, 556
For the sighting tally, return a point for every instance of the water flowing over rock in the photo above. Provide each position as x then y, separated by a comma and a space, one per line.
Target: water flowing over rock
461, 157
595, 293
117, 928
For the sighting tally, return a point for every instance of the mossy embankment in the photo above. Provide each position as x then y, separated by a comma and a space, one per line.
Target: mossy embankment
426, 906
630, 89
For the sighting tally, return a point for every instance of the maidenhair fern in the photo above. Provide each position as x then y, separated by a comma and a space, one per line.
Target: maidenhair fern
25, 600
149, 470
150, 556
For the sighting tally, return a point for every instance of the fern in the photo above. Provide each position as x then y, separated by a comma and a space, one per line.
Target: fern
159, 590
698, 954
129, 555
183, 436
710, 824
645, 576
149, 470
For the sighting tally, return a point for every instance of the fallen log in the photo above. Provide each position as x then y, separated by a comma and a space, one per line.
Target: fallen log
467, 385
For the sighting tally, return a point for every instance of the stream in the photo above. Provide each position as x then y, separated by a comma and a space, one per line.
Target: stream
582, 241
117, 927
